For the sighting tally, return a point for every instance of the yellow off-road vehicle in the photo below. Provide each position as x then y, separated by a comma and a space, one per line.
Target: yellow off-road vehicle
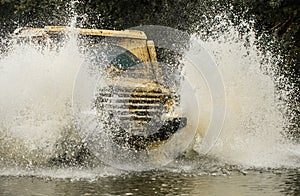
135, 96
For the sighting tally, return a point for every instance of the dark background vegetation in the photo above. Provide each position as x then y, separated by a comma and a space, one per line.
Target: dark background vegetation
276, 22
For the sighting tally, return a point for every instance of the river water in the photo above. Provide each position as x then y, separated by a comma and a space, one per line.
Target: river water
157, 182
252, 156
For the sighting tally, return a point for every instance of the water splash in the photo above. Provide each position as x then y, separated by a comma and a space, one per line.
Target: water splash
253, 134
36, 90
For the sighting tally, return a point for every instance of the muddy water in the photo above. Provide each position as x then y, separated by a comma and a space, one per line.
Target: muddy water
276, 182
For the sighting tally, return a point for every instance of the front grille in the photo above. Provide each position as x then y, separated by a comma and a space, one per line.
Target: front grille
132, 108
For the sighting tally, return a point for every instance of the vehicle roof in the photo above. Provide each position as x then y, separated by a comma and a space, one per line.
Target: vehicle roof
47, 30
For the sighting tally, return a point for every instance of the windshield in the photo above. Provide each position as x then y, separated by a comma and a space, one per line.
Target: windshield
112, 55
106, 55
122, 58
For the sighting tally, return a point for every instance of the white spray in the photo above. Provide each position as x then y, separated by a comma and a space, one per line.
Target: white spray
254, 128
36, 92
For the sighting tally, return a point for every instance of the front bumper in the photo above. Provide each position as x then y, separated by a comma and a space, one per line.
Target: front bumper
166, 131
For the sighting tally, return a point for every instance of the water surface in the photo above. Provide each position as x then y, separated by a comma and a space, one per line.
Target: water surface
274, 182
